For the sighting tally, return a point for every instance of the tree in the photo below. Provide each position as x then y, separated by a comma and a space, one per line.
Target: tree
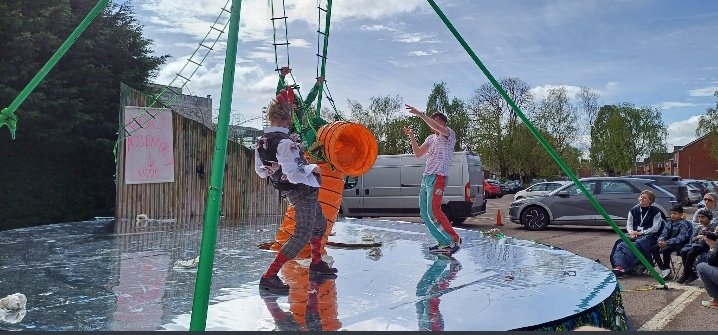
558, 118
708, 125
380, 119
588, 104
494, 121
623, 134
61, 166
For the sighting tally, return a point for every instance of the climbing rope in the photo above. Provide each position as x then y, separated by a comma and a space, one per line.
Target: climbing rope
182, 78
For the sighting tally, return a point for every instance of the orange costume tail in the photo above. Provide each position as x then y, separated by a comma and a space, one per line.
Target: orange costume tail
352, 150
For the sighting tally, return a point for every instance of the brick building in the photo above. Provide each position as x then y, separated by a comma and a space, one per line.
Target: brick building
695, 160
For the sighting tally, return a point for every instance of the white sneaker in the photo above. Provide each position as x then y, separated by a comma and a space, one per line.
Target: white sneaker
665, 273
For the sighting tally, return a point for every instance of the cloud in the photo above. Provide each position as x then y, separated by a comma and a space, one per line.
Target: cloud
415, 38
541, 92
376, 27
299, 43
703, 92
675, 104
423, 53
682, 132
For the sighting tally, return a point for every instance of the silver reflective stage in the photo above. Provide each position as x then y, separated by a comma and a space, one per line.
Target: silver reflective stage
98, 275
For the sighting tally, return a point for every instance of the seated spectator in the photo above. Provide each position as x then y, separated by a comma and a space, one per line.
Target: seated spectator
643, 225
696, 246
711, 204
708, 272
675, 235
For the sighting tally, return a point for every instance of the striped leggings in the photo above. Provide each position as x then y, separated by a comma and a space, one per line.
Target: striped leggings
310, 220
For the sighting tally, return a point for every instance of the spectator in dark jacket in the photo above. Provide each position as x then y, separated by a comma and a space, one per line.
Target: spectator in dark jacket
696, 247
708, 272
675, 235
643, 225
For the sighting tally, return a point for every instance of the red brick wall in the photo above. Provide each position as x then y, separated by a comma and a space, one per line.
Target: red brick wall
696, 161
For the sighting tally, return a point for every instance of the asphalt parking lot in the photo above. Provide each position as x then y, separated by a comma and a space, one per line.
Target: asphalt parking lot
676, 308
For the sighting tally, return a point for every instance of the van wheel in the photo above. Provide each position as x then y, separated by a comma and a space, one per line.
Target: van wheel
534, 218
457, 220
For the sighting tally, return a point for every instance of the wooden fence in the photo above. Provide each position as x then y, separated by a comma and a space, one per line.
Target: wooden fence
245, 194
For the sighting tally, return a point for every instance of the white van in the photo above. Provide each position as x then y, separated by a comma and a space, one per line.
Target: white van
391, 188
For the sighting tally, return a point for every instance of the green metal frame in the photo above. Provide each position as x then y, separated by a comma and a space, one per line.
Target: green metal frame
214, 196
546, 145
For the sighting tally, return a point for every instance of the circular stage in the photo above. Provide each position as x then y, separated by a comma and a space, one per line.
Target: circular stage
100, 275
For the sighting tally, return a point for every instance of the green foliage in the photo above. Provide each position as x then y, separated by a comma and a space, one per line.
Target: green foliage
622, 134
61, 166
494, 124
381, 119
708, 125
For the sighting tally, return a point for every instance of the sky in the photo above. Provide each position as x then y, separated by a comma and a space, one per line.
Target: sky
657, 53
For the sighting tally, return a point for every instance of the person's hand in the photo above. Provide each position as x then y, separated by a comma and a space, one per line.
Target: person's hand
413, 110
661, 244
408, 131
711, 243
320, 80
633, 235
285, 70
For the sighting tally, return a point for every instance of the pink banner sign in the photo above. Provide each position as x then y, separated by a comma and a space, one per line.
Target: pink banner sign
149, 151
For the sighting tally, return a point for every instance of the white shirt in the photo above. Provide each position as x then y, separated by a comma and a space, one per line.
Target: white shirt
441, 150
290, 156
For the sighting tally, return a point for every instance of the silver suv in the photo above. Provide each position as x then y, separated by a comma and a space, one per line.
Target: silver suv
568, 206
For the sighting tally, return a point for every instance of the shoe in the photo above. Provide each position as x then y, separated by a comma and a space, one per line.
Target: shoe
665, 273
443, 249
682, 278
322, 268
710, 303
691, 278
619, 272
454, 249
319, 278
273, 284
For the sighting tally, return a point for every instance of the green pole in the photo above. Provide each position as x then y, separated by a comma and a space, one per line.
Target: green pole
214, 195
546, 145
7, 114
324, 55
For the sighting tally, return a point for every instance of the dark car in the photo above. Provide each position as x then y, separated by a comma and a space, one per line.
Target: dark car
514, 186
671, 184
568, 206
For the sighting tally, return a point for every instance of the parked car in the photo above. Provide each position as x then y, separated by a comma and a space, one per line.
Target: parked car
539, 189
514, 186
391, 188
713, 186
671, 184
504, 189
569, 206
694, 194
492, 190
699, 184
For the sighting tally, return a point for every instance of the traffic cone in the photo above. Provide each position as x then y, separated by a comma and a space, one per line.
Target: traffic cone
498, 219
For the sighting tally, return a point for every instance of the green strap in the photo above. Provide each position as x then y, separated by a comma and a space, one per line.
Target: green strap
7, 115
545, 144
